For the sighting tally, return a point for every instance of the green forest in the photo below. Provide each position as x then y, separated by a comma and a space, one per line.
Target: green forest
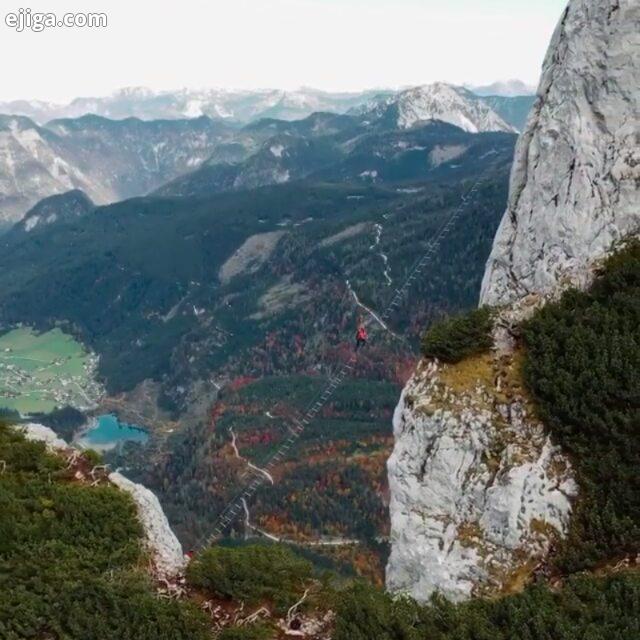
70, 554
586, 608
583, 367
252, 574
71, 560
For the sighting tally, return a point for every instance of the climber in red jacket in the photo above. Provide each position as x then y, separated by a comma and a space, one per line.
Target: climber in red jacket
361, 336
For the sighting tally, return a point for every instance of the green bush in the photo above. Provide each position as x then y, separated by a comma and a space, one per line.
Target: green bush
458, 338
68, 558
93, 457
583, 368
365, 612
586, 607
252, 574
254, 632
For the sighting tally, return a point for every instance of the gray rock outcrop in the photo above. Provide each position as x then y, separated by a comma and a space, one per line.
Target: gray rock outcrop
576, 175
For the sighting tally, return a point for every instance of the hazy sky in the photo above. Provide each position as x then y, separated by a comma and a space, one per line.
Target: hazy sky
329, 44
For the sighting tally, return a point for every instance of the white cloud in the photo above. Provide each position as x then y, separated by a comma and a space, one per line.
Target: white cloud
332, 44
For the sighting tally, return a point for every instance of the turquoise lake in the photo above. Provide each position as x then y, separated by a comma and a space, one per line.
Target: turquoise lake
108, 432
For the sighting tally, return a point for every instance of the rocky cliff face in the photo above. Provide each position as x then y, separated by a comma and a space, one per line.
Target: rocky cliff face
576, 175
166, 550
479, 493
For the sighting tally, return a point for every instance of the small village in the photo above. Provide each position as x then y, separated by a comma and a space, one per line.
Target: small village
33, 380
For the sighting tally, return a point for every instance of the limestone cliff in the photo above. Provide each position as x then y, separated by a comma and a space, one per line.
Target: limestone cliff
576, 174
168, 558
479, 493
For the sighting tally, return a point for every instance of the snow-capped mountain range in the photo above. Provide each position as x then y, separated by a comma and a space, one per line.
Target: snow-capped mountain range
239, 105
114, 159
505, 89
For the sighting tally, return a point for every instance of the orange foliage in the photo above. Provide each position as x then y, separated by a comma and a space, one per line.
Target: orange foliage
216, 412
240, 382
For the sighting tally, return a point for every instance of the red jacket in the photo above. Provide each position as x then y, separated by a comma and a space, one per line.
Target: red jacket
362, 333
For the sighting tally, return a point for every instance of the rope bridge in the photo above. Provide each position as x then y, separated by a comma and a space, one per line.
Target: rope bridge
254, 478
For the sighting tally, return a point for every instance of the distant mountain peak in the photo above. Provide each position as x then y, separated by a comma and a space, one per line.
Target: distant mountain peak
135, 92
505, 89
62, 206
440, 101
242, 105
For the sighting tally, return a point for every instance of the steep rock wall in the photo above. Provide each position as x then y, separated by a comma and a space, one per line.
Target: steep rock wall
576, 174
478, 492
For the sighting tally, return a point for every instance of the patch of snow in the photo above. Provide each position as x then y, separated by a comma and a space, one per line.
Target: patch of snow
378, 231
410, 190
280, 177
31, 223
222, 111
193, 109
385, 258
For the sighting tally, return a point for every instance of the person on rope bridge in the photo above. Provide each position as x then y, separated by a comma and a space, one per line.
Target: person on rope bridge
361, 335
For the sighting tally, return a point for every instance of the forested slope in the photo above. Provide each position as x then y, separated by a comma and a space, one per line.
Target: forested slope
71, 556
583, 367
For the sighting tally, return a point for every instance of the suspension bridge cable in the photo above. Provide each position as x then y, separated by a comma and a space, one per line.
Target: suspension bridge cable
255, 477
